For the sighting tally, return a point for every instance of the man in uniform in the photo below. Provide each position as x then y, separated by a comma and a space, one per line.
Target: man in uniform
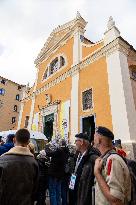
113, 183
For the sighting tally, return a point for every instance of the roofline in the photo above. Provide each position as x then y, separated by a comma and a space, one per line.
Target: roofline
12, 81
88, 40
69, 24
131, 47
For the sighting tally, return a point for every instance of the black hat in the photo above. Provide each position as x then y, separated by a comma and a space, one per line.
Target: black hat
105, 132
82, 136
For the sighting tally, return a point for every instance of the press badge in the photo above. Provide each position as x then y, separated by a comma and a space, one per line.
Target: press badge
72, 182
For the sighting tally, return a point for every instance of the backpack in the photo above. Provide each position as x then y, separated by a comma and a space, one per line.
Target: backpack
131, 164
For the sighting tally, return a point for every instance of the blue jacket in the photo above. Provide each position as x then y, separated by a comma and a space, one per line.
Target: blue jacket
6, 147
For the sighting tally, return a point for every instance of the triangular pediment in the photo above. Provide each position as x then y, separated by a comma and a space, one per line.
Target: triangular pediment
56, 37
59, 33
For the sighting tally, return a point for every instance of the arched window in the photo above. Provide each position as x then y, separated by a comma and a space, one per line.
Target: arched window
62, 61
45, 74
54, 66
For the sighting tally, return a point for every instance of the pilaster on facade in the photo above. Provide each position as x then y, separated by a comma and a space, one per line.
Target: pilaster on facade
120, 90
77, 58
33, 104
31, 113
21, 108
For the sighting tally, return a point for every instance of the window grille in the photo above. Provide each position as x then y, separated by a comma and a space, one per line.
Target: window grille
87, 99
26, 121
54, 66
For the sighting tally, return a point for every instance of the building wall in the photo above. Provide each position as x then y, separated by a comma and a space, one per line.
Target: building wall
67, 51
88, 49
133, 83
26, 112
132, 67
95, 76
7, 110
59, 92
102, 66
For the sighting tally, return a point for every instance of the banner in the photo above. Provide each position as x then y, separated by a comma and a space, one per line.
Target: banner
64, 119
35, 122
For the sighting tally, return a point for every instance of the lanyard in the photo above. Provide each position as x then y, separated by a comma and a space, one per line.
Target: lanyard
79, 159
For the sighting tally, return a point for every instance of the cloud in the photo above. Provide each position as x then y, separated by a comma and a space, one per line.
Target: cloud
26, 24
1, 49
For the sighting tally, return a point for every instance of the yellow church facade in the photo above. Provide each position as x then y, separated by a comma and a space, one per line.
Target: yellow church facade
81, 84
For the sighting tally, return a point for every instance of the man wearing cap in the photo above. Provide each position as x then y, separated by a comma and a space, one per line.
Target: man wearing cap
113, 184
82, 179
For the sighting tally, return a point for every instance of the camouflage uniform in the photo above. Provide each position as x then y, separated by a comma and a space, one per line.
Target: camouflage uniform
116, 175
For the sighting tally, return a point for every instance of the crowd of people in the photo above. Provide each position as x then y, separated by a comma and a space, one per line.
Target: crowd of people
90, 173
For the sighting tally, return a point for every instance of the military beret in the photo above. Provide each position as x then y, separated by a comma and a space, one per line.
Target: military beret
105, 132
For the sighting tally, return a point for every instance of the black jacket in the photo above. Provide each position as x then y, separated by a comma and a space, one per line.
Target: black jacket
18, 177
85, 177
58, 162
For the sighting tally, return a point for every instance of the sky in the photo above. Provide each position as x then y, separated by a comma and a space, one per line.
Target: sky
25, 26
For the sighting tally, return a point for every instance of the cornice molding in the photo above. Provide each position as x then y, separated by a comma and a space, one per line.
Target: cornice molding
47, 53
57, 102
70, 27
117, 45
51, 108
